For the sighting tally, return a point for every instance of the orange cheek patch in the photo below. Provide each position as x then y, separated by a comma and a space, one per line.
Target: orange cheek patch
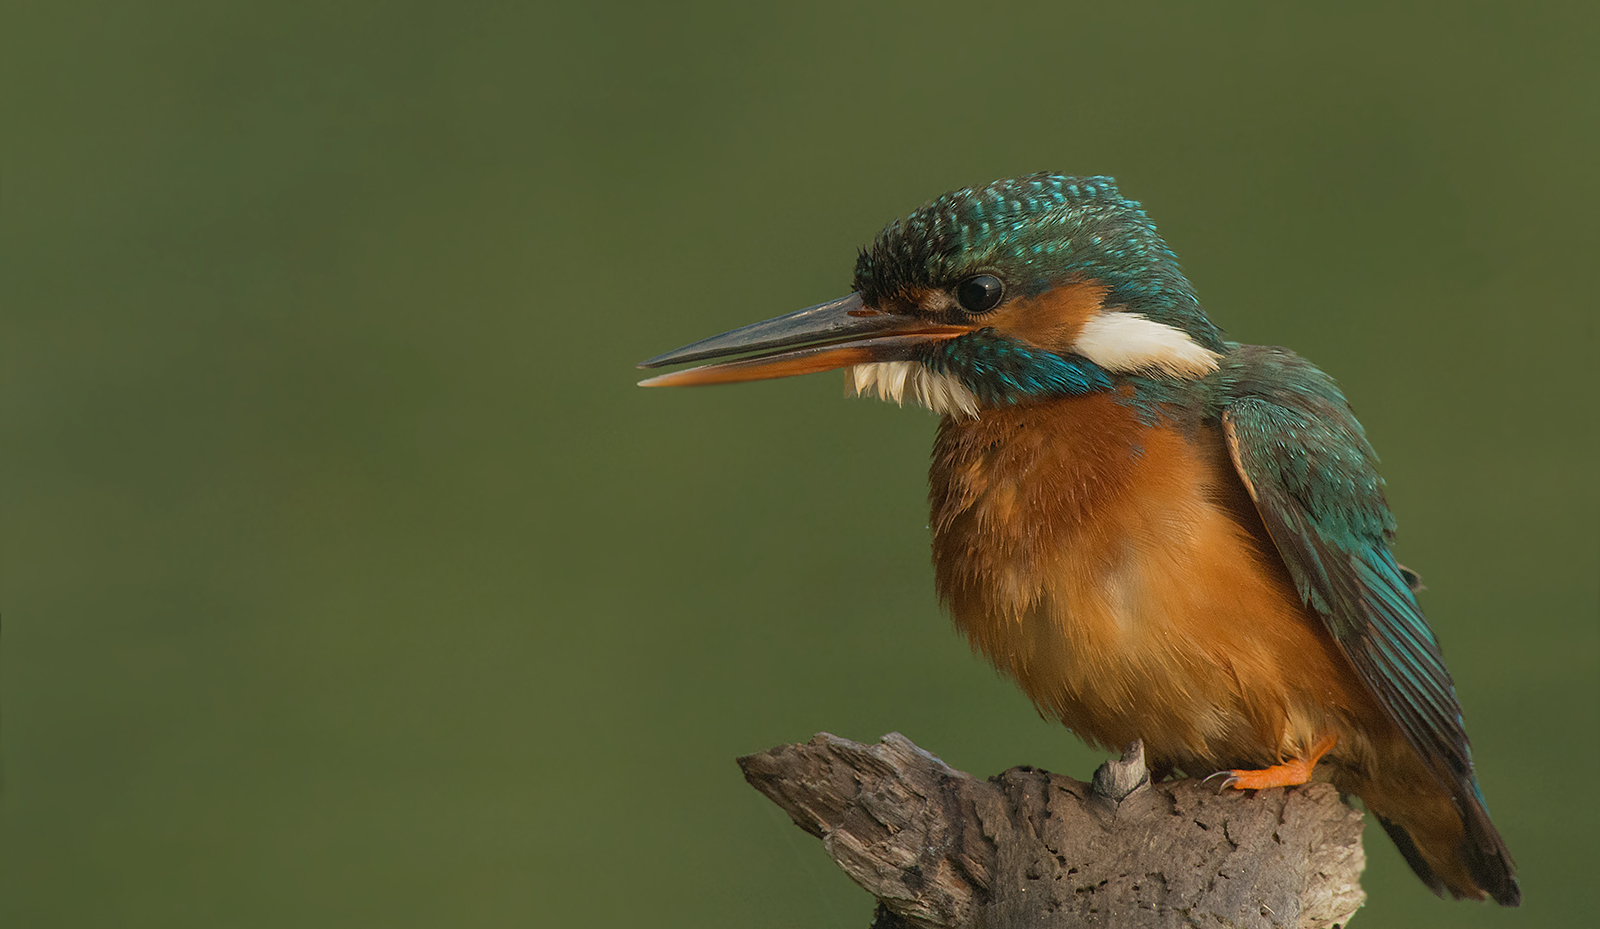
1052, 320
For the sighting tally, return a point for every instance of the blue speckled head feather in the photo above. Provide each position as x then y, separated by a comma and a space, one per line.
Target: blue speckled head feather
1036, 232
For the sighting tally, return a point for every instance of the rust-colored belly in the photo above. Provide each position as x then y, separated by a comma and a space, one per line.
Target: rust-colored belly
1118, 573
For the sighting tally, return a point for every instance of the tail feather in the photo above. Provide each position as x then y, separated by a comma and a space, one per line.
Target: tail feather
1412, 854
1487, 858
1460, 854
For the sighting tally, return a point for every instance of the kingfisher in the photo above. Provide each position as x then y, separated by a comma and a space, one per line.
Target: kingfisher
1157, 533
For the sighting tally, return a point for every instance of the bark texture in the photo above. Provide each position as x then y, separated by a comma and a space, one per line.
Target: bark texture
1027, 848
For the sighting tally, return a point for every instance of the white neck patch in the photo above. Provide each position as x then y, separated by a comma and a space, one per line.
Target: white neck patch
892, 380
1127, 343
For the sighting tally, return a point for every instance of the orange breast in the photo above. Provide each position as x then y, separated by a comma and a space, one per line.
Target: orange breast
1118, 572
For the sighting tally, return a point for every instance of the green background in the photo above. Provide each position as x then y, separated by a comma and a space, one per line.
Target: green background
349, 581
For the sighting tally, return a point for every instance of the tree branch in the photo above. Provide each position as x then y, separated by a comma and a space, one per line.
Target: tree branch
1027, 848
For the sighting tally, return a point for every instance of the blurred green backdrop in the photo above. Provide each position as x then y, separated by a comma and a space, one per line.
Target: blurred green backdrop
349, 580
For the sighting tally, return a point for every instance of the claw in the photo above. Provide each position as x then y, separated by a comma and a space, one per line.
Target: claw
1288, 774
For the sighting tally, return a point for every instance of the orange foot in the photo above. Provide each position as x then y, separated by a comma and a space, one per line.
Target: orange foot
1288, 774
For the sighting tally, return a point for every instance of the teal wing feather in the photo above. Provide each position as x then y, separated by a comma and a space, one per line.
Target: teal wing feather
1314, 478
1313, 475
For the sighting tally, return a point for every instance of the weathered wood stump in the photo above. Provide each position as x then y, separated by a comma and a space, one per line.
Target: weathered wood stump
1027, 848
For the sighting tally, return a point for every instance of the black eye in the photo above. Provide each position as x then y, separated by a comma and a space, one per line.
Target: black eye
979, 294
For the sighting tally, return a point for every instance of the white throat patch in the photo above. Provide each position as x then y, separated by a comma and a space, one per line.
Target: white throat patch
1127, 342
892, 380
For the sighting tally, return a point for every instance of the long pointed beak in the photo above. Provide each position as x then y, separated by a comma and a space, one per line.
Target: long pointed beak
819, 338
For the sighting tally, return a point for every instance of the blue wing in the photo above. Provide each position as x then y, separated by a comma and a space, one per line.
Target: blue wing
1307, 464
1305, 461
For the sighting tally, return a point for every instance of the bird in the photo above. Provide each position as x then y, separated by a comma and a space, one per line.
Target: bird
1157, 533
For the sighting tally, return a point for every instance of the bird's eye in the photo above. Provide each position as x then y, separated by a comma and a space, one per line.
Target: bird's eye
979, 294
